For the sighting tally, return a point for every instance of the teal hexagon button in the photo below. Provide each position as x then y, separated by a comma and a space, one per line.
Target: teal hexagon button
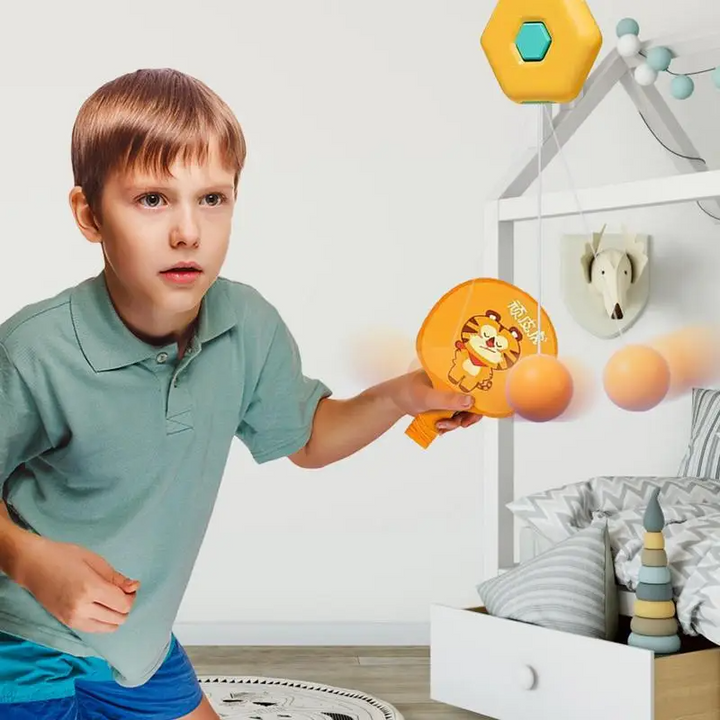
533, 41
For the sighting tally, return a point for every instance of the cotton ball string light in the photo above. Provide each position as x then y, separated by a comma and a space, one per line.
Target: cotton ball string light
637, 378
539, 387
659, 58
627, 26
645, 75
656, 60
682, 87
628, 45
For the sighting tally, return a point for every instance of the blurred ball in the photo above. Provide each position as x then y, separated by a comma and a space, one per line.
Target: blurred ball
645, 75
636, 378
693, 356
539, 388
414, 365
585, 389
377, 354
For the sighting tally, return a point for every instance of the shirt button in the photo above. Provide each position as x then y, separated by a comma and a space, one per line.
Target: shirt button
162, 357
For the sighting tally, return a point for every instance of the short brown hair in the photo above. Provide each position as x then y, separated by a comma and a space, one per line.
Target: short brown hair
145, 120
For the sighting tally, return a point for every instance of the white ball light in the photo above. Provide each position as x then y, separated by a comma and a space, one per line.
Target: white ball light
628, 45
645, 75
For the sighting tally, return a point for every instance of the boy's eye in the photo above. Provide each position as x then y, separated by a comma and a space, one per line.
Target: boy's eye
218, 198
153, 197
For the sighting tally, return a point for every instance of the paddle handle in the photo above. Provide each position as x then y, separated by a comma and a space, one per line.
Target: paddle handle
422, 429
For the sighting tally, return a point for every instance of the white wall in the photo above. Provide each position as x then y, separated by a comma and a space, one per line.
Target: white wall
376, 130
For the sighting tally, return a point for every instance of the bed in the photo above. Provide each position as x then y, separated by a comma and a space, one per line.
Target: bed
691, 506
512, 668
506, 665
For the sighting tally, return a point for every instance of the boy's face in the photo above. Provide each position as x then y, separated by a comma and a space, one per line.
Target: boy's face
152, 225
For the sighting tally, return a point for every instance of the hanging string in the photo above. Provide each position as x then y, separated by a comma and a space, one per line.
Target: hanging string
471, 285
585, 222
540, 141
462, 319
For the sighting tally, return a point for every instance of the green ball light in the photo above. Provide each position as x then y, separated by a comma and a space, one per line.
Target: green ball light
627, 26
716, 77
682, 87
659, 58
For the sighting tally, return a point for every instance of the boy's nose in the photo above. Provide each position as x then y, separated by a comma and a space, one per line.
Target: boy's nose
185, 233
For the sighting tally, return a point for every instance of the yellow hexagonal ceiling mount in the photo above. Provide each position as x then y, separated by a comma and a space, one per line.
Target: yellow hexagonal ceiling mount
541, 50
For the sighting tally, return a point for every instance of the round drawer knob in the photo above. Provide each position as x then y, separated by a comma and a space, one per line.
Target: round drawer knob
526, 677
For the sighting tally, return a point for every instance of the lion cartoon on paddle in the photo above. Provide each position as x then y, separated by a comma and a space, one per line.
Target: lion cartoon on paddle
485, 347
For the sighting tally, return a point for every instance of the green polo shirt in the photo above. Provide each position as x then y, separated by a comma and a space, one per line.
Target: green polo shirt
116, 445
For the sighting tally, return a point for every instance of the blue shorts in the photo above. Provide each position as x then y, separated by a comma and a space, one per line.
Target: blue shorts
38, 682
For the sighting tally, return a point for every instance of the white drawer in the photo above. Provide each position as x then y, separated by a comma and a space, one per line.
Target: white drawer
516, 671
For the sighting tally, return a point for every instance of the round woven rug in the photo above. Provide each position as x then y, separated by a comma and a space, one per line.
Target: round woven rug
262, 698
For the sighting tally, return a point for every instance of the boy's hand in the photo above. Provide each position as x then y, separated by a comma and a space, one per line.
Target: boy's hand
415, 394
76, 586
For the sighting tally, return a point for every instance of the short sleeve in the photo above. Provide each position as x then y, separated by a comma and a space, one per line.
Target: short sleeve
22, 433
279, 417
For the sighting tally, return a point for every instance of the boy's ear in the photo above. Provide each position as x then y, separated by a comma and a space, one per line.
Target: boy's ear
84, 216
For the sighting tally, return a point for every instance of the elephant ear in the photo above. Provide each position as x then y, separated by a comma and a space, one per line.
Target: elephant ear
591, 250
586, 261
638, 259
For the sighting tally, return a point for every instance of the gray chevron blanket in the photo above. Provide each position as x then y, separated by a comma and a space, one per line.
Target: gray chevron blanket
692, 533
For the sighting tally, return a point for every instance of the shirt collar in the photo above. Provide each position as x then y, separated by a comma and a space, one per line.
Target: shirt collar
107, 342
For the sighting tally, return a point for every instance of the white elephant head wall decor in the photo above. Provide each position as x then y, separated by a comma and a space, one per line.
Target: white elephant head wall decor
606, 280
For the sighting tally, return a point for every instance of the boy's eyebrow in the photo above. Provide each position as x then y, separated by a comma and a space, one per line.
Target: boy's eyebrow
135, 185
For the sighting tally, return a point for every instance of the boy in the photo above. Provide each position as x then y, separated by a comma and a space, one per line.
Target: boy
119, 399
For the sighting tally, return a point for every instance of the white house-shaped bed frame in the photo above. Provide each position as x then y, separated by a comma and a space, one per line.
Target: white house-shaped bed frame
693, 182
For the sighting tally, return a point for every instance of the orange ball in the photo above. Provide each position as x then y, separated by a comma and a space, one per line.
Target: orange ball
637, 378
693, 356
539, 387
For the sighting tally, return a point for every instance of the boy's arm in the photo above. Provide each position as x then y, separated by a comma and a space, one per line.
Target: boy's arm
74, 585
288, 410
77, 587
22, 436
342, 427
14, 541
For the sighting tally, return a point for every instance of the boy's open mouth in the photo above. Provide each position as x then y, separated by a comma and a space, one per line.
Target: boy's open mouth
190, 268
182, 272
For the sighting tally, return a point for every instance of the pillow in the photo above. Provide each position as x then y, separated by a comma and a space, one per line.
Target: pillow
702, 456
559, 513
570, 587
614, 493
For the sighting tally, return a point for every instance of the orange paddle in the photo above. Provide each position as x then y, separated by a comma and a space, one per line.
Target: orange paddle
472, 335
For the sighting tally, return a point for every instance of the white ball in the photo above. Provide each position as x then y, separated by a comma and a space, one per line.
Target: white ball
645, 75
628, 45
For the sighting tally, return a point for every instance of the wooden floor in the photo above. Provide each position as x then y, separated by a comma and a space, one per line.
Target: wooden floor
398, 675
